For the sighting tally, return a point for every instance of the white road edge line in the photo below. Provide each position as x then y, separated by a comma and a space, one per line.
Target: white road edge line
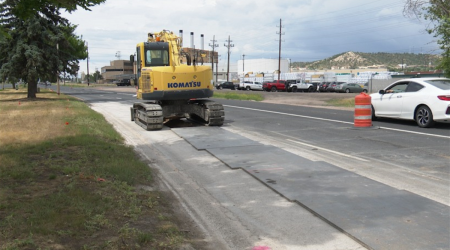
281, 113
413, 132
328, 150
330, 120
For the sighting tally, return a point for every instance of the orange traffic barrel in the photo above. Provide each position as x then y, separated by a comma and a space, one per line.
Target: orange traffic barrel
363, 110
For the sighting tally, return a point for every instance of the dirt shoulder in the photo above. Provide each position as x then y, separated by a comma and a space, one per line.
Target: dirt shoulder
315, 99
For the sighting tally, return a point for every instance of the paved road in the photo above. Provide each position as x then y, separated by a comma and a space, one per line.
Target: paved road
396, 158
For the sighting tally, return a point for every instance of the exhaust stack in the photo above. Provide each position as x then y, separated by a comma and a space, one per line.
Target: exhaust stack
181, 40
203, 41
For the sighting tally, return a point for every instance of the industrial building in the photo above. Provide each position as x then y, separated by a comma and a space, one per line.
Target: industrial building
116, 70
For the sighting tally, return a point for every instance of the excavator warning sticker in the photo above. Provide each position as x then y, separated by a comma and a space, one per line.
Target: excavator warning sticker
175, 85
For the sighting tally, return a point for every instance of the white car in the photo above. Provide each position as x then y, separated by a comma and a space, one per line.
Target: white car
424, 100
249, 85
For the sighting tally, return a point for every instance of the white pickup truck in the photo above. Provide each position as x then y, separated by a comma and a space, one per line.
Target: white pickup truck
248, 85
298, 85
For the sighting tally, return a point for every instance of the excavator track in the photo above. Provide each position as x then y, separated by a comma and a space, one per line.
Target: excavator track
151, 116
214, 113
147, 115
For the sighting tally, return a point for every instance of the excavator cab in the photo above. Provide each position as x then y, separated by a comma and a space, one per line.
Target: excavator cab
156, 54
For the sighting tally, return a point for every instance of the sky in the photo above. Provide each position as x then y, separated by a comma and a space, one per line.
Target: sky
310, 29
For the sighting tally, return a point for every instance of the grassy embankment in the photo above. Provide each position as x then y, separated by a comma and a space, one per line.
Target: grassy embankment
238, 96
67, 181
337, 102
346, 102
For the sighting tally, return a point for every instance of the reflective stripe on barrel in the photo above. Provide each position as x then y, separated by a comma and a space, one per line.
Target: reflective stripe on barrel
363, 110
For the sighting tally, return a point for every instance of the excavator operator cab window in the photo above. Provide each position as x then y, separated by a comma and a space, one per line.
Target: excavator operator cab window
156, 57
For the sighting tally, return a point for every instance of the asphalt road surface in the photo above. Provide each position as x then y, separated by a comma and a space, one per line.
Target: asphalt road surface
297, 177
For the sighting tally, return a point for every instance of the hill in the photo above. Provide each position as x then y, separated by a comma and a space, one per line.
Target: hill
355, 60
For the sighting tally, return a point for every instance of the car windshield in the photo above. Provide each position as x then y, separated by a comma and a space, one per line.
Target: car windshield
443, 84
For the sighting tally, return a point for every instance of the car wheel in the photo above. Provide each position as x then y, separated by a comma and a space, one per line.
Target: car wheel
294, 89
248, 88
347, 90
365, 90
374, 117
220, 87
424, 117
310, 89
273, 89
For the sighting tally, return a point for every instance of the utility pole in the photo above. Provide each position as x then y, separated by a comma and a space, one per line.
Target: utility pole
279, 52
228, 64
96, 75
87, 47
213, 45
217, 68
243, 60
402, 64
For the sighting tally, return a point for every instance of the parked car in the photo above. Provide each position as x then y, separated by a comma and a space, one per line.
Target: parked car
248, 85
241, 85
123, 82
323, 86
299, 85
226, 85
424, 100
274, 86
315, 86
333, 86
350, 88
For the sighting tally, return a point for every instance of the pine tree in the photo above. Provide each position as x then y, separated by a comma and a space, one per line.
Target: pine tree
36, 43
438, 13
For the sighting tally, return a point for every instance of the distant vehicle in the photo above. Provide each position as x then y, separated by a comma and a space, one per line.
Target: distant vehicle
123, 82
274, 86
315, 86
350, 88
298, 85
332, 87
365, 85
323, 86
424, 100
241, 85
226, 85
248, 85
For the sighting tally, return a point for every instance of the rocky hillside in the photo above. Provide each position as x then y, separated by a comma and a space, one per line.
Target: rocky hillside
354, 60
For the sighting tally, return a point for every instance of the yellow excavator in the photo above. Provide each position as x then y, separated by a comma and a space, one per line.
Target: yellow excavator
169, 89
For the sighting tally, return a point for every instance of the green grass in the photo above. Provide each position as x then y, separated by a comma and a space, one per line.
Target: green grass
347, 102
76, 189
238, 96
